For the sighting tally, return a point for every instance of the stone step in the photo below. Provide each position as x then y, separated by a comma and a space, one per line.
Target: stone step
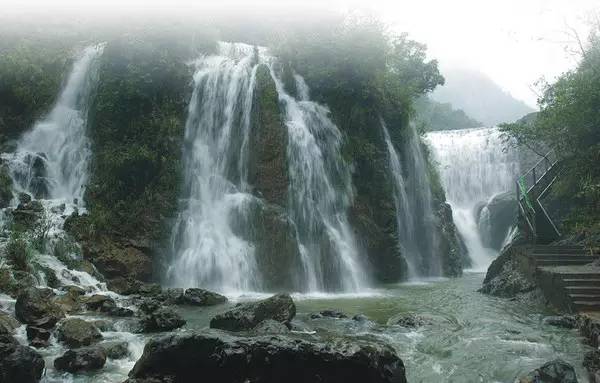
570, 262
587, 306
561, 251
585, 297
579, 275
593, 282
586, 290
554, 257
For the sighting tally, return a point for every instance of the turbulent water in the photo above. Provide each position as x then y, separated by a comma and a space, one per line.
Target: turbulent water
51, 160
474, 167
208, 250
417, 232
474, 338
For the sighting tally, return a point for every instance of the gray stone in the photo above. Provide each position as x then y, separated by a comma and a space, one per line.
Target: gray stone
81, 359
75, 332
246, 316
556, 371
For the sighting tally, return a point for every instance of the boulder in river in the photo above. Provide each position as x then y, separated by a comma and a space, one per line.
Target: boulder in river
81, 359
156, 317
201, 297
270, 326
8, 324
556, 371
38, 337
35, 306
75, 332
20, 364
217, 356
246, 316
115, 350
336, 314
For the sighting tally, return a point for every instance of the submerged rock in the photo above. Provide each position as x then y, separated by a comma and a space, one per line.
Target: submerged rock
81, 359
19, 363
75, 332
8, 324
328, 314
565, 321
201, 297
556, 371
35, 307
115, 350
217, 356
246, 316
38, 337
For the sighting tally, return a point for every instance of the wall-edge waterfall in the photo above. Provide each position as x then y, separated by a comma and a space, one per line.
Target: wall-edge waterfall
477, 169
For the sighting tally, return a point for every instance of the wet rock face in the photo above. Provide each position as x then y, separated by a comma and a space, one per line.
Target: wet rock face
81, 359
507, 275
201, 297
156, 318
19, 363
556, 371
6, 193
75, 332
8, 324
496, 218
220, 357
115, 350
35, 307
38, 337
246, 316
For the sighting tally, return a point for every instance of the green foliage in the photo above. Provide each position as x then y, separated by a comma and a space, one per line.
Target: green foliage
357, 61
18, 251
432, 115
569, 122
137, 126
31, 72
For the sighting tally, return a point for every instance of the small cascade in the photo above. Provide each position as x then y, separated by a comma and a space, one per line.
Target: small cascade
51, 160
320, 194
207, 250
475, 166
417, 232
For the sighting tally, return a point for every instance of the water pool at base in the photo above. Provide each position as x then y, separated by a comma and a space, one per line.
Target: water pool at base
473, 338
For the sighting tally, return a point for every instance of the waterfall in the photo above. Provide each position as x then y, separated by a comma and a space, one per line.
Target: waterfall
208, 252
51, 161
320, 194
474, 167
417, 232
208, 249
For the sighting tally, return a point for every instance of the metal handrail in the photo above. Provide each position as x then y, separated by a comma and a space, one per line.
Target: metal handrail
537, 174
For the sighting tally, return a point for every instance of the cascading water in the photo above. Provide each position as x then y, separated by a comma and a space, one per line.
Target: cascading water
208, 249
474, 167
417, 232
208, 252
51, 160
320, 194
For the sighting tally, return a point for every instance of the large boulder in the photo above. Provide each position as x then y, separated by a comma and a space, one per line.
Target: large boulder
510, 274
496, 218
115, 349
246, 316
75, 332
156, 318
20, 363
201, 297
556, 371
38, 336
81, 359
35, 306
220, 357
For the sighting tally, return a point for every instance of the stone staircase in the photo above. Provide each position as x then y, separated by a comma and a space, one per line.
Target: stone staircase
580, 281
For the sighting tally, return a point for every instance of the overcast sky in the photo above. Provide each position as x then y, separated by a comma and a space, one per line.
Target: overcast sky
515, 42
